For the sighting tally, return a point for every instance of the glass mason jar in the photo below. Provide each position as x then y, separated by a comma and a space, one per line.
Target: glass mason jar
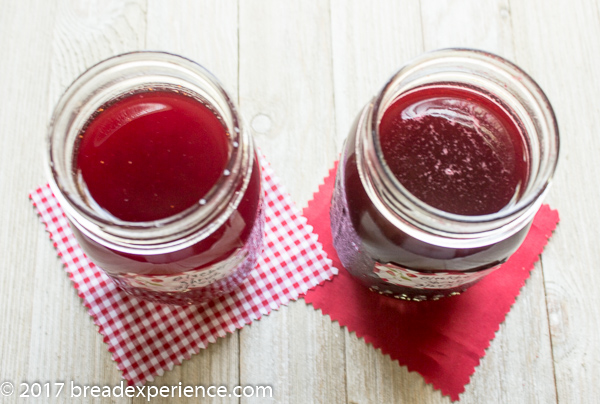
196, 254
400, 246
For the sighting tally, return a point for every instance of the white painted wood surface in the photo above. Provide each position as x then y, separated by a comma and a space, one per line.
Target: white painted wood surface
301, 69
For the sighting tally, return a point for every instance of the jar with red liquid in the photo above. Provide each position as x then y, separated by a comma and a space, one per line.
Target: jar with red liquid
442, 174
158, 178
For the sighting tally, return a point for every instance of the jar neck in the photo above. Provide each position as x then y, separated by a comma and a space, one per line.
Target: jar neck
110, 80
491, 75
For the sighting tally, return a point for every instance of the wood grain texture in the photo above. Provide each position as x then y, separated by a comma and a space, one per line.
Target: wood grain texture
88, 32
484, 24
369, 44
565, 65
301, 71
23, 84
285, 76
205, 31
286, 96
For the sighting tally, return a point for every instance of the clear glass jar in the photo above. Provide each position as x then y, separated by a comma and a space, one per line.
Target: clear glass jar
400, 246
194, 255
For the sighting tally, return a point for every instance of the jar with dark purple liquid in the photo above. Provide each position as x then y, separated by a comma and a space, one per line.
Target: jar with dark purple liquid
158, 179
442, 174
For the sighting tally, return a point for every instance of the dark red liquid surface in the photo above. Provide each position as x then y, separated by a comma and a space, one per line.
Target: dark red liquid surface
151, 155
454, 149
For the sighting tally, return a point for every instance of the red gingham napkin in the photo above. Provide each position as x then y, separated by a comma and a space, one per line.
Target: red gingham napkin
442, 340
146, 338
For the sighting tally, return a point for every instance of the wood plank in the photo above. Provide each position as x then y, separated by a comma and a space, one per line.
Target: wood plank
86, 33
216, 365
206, 32
559, 47
65, 344
370, 43
286, 97
24, 32
285, 88
517, 367
484, 24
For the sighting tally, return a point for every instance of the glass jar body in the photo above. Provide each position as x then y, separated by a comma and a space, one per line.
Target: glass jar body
388, 260
399, 246
192, 274
205, 249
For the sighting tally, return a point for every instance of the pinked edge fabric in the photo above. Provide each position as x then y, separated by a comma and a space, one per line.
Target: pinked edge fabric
147, 338
442, 340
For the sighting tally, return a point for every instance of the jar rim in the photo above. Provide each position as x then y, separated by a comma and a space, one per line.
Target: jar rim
450, 224
203, 217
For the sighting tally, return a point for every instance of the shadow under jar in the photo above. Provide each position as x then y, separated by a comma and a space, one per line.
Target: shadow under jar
158, 179
442, 174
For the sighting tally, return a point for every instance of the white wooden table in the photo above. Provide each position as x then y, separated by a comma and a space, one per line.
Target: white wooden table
301, 69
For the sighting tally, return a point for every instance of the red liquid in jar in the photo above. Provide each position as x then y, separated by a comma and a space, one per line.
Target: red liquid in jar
148, 156
151, 155
454, 149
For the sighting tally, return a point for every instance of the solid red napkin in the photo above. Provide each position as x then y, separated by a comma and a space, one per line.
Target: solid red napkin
442, 340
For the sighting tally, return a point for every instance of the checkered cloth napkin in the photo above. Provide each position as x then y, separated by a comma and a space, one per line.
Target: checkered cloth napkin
146, 338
